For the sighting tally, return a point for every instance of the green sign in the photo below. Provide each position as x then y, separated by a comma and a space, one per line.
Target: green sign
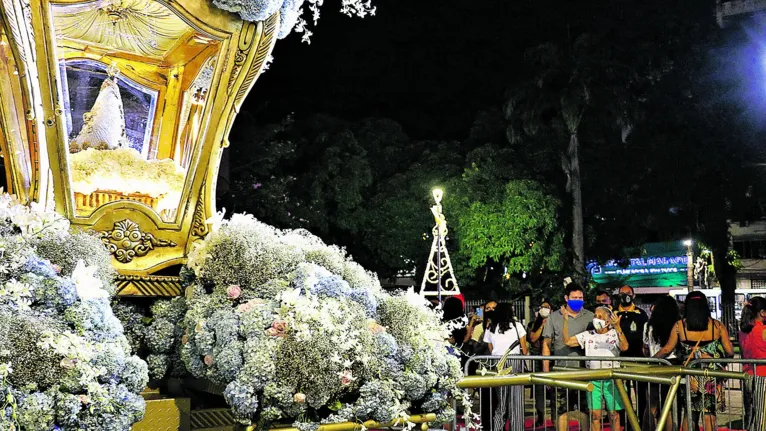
659, 265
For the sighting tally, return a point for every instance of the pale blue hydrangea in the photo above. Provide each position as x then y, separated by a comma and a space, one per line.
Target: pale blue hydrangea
68, 407
250, 10
41, 267
134, 374
157, 365
242, 399
160, 336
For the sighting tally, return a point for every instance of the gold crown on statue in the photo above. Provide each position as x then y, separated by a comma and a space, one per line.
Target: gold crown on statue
113, 71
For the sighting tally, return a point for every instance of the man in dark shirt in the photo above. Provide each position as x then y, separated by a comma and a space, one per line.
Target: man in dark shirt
632, 322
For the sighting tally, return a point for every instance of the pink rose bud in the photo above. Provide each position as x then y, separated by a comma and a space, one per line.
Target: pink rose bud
84, 399
247, 306
209, 360
280, 326
299, 398
56, 268
271, 332
346, 377
233, 291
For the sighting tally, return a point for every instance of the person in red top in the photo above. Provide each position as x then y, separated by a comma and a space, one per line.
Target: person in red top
752, 339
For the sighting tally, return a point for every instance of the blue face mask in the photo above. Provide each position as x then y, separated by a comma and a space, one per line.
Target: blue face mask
575, 304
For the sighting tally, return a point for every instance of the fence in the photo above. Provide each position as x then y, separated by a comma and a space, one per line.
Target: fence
523, 398
726, 403
520, 307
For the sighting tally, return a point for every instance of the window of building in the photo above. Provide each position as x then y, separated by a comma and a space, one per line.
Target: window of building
750, 249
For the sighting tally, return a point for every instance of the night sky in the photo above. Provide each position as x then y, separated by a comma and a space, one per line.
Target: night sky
431, 65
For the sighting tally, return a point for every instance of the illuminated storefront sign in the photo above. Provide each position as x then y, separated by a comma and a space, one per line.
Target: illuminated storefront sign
663, 265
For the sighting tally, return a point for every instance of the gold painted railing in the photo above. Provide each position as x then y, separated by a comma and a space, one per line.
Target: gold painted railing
561, 377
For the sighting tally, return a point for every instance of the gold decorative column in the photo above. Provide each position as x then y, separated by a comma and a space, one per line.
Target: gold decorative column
115, 112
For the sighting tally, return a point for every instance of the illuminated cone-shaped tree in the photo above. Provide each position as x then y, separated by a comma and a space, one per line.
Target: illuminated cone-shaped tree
104, 125
439, 278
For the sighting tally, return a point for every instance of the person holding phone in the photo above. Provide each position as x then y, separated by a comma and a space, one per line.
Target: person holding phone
475, 331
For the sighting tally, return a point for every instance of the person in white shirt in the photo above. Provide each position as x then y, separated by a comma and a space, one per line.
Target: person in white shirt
505, 335
607, 339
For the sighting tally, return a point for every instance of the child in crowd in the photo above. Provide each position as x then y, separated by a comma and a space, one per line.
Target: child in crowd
607, 339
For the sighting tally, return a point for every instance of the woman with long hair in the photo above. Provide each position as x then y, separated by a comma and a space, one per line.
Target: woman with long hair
506, 336
535, 337
753, 344
665, 314
699, 337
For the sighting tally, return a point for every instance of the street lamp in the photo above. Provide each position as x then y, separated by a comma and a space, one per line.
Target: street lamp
689, 264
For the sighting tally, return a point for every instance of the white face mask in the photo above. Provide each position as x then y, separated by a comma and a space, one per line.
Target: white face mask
599, 324
545, 312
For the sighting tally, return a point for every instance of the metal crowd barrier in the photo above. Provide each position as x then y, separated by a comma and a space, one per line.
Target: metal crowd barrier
722, 402
643, 395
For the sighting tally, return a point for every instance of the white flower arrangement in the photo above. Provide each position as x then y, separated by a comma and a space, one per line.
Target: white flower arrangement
123, 170
295, 329
64, 361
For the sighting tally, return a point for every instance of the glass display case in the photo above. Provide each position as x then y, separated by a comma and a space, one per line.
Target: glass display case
115, 112
128, 136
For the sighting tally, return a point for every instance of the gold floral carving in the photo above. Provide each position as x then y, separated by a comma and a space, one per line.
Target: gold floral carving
126, 241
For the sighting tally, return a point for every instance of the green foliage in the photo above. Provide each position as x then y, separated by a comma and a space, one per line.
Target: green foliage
517, 228
496, 208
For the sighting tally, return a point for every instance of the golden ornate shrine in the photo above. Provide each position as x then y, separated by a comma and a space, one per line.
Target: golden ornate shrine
115, 112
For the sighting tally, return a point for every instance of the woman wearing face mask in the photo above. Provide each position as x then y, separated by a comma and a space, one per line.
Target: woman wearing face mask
607, 339
753, 343
535, 331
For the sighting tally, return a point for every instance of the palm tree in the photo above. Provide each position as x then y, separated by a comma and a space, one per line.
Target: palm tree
569, 85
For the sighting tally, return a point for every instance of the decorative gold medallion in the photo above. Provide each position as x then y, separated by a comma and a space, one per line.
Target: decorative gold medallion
126, 241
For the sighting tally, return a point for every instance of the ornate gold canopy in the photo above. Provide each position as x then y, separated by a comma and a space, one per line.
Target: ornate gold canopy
115, 112
140, 27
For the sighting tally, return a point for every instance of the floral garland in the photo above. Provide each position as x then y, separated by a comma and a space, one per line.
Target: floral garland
296, 331
64, 361
290, 12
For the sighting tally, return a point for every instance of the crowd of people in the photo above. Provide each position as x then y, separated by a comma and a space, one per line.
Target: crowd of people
612, 331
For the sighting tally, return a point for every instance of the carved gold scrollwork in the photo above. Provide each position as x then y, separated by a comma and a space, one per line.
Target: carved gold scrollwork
270, 27
199, 225
126, 241
243, 49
